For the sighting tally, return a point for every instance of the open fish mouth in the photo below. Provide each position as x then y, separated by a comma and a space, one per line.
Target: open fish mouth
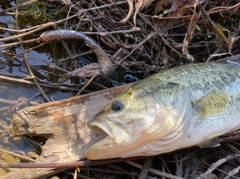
114, 130
100, 127
113, 145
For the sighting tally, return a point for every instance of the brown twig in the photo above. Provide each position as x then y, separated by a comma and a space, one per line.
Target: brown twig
223, 8
30, 70
138, 45
146, 167
85, 85
154, 171
232, 172
65, 165
130, 10
190, 31
26, 158
48, 24
17, 6
217, 164
21, 81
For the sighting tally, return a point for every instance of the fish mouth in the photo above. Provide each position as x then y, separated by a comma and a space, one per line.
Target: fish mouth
113, 145
99, 127
114, 130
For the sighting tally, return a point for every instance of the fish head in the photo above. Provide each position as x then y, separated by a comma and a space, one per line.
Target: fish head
143, 114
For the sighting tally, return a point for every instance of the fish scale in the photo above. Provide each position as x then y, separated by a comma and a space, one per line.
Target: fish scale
173, 109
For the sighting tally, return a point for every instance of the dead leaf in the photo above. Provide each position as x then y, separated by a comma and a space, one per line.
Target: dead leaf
178, 8
145, 4
161, 5
176, 4
219, 29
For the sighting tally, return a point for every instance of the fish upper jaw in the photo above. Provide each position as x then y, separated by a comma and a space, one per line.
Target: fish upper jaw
115, 130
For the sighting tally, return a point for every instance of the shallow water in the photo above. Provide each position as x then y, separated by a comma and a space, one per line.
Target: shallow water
15, 95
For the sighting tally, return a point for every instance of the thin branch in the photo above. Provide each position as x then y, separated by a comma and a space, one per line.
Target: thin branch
29, 67
26, 158
21, 81
157, 172
85, 85
66, 164
217, 164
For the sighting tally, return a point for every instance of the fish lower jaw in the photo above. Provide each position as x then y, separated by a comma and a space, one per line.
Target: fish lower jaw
99, 150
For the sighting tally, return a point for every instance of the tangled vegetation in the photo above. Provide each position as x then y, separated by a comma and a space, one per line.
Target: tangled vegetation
139, 38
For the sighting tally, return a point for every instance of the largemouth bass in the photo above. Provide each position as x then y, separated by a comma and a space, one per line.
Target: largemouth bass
173, 109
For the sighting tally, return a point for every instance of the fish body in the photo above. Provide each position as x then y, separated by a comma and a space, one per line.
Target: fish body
173, 109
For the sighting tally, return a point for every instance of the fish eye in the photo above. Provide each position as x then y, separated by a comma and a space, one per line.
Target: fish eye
117, 106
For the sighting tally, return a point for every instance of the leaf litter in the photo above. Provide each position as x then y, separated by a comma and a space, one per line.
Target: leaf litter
139, 38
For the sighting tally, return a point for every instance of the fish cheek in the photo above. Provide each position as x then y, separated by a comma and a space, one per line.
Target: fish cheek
162, 125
